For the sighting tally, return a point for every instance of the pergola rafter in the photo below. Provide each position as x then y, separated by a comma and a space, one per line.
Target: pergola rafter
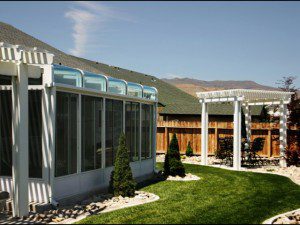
246, 98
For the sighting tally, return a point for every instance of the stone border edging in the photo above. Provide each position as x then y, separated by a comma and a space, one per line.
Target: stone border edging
271, 220
85, 215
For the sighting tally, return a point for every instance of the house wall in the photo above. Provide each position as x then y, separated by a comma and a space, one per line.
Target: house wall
188, 128
84, 182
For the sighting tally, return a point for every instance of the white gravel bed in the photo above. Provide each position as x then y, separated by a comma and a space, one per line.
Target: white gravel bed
195, 160
97, 204
292, 217
188, 177
291, 172
115, 203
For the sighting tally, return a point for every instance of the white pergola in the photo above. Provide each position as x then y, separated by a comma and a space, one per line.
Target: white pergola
243, 98
21, 63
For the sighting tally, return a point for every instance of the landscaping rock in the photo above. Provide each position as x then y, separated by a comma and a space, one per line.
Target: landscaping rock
188, 177
288, 218
106, 202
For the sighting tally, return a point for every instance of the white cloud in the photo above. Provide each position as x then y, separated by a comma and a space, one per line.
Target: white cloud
88, 19
172, 76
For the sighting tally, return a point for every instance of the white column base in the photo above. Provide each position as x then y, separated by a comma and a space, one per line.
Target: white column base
282, 162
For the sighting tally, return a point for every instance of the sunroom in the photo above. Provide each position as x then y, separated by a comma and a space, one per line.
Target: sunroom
60, 127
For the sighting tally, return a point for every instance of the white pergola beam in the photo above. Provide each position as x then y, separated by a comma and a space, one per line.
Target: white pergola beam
204, 134
248, 95
20, 142
268, 103
221, 99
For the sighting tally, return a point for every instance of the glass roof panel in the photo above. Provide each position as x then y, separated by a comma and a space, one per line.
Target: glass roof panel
94, 81
67, 75
116, 86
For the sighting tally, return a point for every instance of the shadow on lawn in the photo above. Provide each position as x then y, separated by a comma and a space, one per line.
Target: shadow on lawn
156, 178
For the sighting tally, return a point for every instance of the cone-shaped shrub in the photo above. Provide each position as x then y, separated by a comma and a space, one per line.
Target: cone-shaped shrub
173, 165
122, 182
189, 150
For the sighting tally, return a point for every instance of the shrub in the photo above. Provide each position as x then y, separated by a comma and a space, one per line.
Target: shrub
173, 165
293, 157
189, 150
122, 182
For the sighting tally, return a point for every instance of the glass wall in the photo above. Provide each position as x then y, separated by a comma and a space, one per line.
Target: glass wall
66, 134
147, 131
132, 124
94, 81
35, 133
66, 75
35, 158
116, 86
5, 133
113, 128
91, 133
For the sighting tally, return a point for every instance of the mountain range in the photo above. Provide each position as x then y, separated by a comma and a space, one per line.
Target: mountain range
191, 86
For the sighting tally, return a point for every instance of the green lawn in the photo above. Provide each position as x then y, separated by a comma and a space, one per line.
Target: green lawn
221, 196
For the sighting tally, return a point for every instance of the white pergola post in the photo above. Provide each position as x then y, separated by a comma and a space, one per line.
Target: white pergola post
248, 122
283, 133
237, 135
20, 141
204, 133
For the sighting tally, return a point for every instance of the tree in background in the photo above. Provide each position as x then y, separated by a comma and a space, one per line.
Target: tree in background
173, 165
189, 150
122, 182
287, 84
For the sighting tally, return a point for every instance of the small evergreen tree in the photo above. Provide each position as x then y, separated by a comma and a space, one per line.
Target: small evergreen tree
122, 182
173, 165
189, 150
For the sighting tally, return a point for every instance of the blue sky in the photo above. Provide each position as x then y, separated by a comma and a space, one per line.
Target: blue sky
257, 41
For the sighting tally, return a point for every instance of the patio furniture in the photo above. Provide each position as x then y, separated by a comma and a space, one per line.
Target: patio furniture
225, 151
250, 155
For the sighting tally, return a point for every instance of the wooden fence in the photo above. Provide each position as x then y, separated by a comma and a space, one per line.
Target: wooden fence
191, 131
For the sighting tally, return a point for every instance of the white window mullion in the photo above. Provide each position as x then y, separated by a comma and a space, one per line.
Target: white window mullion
140, 130
94, 127
79, 134
103, 138
124, 110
